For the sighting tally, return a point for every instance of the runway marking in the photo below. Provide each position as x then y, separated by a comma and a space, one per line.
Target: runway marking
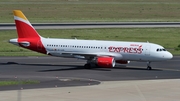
76, 78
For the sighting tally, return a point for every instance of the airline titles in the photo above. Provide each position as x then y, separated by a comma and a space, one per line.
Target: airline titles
136, 49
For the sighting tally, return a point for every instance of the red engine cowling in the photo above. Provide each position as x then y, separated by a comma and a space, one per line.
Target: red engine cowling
122, 61
106, 62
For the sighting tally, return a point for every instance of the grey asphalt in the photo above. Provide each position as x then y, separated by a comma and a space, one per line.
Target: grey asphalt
10, 26
67, 72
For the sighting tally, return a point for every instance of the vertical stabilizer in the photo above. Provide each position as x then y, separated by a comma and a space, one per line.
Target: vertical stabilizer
27, 35
23, 26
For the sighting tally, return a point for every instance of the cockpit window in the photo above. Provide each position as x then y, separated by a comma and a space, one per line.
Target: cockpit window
164, 49
160, 49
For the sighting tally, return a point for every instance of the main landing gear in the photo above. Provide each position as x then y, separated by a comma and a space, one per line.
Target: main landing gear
90, 64
87, 66
149, 66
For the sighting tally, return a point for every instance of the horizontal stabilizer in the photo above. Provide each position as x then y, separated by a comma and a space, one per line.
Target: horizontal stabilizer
23, 43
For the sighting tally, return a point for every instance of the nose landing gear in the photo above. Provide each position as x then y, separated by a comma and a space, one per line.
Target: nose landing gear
149, 66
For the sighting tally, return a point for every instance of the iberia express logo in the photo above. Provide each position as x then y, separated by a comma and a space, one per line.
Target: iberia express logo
133, 48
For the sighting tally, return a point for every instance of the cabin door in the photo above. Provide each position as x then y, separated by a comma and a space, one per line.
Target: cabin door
147, 50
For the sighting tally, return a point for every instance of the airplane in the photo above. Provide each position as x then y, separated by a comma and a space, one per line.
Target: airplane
98, 53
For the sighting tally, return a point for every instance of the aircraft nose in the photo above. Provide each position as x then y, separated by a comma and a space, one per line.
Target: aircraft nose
168, 55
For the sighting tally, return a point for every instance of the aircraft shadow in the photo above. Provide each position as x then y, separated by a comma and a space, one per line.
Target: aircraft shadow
12, 63
77, 67
70, 67
8, 63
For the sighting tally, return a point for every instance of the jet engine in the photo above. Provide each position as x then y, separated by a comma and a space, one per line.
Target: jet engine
106, 62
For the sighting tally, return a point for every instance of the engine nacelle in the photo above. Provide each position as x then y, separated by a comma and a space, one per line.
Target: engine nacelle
122, 61
107, 62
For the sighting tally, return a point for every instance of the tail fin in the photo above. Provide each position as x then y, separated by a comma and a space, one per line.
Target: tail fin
23, 26
27, 36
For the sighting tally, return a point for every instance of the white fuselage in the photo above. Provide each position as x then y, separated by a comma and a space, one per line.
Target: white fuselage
120, 50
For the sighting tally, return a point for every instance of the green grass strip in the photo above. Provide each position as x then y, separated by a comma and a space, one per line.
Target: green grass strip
167, 37
92, 10
21, 82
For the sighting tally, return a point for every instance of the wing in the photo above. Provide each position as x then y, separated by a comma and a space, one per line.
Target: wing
92, 55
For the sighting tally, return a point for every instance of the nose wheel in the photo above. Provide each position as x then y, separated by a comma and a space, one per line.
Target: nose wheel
149, 66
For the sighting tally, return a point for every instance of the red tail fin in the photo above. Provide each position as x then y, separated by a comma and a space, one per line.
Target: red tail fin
23, 26
27, 35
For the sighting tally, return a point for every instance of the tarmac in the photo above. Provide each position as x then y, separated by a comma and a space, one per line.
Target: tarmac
63, 79
138, 90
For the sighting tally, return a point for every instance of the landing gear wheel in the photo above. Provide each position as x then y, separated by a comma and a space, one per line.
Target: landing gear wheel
87, 66
149, 68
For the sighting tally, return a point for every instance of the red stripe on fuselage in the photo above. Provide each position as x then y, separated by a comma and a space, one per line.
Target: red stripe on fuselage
26, 33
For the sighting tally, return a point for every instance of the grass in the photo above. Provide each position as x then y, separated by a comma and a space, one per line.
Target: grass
22, 82
54, 11
167, 37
